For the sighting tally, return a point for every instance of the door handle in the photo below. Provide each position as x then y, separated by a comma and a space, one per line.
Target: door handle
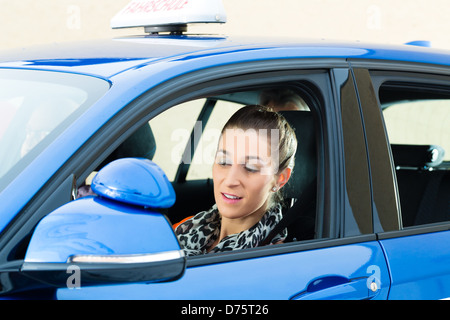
336, 288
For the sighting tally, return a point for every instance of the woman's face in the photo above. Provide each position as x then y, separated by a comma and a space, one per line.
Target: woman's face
243, 174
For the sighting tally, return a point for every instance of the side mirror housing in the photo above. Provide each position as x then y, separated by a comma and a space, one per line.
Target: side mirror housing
116, 237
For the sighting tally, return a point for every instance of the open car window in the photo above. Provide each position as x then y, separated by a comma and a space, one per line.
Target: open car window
183, 142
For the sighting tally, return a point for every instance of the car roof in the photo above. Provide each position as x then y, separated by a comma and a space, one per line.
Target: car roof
109, 57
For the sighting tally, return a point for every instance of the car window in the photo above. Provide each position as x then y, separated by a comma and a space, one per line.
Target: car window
417, 119
197, 124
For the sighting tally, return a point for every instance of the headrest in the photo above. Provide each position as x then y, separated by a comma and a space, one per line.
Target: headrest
141, 144
417, 156
305, 169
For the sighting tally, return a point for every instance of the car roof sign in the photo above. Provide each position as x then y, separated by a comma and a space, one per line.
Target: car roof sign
168, 15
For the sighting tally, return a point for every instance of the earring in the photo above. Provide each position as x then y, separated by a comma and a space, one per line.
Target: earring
274, 189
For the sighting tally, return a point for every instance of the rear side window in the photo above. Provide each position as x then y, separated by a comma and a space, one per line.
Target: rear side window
417, 119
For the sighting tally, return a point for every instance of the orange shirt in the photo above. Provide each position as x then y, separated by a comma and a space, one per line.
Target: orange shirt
178, 223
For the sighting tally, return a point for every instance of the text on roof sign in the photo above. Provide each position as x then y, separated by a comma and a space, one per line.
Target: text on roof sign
168, 15
155, 6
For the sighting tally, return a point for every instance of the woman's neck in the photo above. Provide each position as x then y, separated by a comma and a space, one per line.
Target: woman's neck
234, 226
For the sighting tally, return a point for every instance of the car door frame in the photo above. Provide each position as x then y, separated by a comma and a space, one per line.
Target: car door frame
418, 262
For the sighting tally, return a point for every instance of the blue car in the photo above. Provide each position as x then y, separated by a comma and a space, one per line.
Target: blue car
105, 145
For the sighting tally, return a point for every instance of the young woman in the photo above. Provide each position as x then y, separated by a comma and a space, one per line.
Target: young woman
254, 160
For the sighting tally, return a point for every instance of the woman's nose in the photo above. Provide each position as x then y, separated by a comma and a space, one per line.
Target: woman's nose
232, 176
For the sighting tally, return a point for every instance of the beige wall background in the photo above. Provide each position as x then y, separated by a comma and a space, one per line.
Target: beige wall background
30, 22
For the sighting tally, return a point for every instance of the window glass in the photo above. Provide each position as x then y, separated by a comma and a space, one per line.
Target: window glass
36, 107
172, 130
423, 122
203, 159
418, 125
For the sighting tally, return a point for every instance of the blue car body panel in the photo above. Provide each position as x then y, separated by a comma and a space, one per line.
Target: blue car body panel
288, 277
406, 267
419, 266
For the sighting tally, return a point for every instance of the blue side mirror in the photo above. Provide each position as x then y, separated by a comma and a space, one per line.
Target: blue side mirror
107, 236
135, 181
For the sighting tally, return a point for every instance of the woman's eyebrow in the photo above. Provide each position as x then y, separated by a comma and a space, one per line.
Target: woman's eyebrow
257, 158
223, 151
253, 157
246, 159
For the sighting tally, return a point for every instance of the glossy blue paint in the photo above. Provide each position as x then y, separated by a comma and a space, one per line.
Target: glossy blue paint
97, 226
287, 276
106, 58
135, 181
419, 266
420, 43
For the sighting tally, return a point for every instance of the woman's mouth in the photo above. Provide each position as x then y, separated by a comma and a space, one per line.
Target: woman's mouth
230, 198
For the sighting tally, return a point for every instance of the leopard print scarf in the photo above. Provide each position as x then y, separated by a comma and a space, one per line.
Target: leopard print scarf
196, 235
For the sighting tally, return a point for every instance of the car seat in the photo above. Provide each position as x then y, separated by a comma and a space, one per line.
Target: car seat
423, 185
141, 144
300, 192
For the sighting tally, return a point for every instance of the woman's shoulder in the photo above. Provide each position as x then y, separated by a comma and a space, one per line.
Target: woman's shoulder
200, 214
174, 226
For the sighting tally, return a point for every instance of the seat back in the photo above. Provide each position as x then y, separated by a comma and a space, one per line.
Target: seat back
305, 168
141, 144
423, 186
300, 217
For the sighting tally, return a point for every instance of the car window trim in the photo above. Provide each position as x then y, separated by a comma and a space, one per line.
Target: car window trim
273, 250
415, 230
400, 67
307, 245
291, 76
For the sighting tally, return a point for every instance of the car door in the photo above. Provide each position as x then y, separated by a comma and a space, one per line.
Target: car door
342, 260
415, 106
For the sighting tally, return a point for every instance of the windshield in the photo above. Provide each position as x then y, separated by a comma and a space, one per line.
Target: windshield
35, 107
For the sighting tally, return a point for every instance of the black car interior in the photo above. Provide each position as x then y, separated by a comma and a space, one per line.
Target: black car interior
424, 185
301, 187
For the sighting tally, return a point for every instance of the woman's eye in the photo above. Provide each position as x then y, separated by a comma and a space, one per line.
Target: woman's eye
251, 168
222, 161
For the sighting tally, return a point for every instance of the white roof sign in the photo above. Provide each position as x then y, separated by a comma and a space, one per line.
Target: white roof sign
154, 13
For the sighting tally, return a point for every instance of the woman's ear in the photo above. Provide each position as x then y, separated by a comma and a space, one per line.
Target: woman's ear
283, 177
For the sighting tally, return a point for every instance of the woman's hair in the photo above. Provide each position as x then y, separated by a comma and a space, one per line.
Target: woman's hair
259, 117
279, 98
